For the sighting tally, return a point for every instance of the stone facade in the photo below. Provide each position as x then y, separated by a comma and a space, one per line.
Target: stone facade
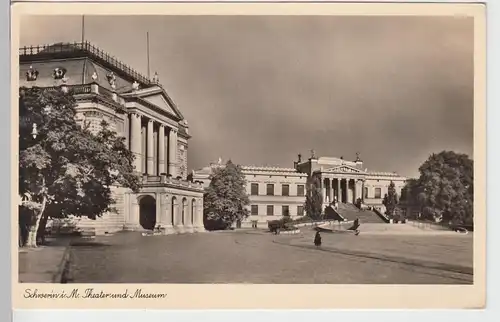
273, 192
138, 109
347, 181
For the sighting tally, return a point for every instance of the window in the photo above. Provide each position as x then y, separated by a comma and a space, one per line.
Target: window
285, 211
270, 210
285, 190
300, 190
254, 189
300, 210
270, 189
378, 193
366, 192
255, 210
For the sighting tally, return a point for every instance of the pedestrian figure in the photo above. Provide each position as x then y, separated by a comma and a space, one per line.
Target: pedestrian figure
317, 239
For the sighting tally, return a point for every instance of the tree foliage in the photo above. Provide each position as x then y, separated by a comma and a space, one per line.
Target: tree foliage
390, 200
67, 169
445, 189
314, 198
225, 199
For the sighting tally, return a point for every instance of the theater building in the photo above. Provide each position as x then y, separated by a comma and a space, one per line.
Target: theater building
137, 108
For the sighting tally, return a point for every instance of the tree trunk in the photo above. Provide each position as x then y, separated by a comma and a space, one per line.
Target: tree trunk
34, 229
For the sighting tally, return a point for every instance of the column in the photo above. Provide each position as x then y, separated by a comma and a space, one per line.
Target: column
143, 147
155, 152
159, 208
339, 194
135, 141
331, 190
199, 216
150, 150
172, 152
189, 216
323, 189
161, 149
355, 192
166, 214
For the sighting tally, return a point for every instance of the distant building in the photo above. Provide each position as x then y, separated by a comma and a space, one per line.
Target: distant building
346, 181
138, 109
273, 192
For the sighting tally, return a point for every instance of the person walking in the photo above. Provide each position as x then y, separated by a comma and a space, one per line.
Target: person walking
317, 239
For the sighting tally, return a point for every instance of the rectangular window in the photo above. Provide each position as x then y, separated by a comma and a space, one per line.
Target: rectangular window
285, 190
270, 189
300, 190
366, 192
255, 210
300, 210
378, 193
254, 189
285, 211
270, 210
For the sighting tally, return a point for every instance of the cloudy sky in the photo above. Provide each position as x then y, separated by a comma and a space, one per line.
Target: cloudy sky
261, 89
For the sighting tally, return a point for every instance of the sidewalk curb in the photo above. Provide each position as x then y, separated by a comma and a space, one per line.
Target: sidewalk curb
62, 268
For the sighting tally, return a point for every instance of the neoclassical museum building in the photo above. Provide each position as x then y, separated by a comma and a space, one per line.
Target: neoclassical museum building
139, 109
276, 191
273, 192
347, 181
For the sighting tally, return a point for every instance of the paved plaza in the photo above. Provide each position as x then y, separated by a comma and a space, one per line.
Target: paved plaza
253, 256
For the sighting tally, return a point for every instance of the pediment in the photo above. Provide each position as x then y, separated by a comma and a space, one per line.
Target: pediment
161, 102
343, 169
157, 96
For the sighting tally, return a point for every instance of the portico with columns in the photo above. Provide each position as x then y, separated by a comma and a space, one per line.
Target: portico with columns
140, 110
175, 204
341, 187
347, 181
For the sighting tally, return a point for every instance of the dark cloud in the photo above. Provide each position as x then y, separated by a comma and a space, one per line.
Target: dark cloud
260, 89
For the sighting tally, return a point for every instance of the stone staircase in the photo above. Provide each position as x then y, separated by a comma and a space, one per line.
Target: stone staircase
351, 212
108, 223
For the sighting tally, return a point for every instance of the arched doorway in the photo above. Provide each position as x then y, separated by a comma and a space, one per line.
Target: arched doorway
174, 213
184, 209
147, 212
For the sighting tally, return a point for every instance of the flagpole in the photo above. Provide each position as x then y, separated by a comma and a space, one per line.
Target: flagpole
147, 40
83, 29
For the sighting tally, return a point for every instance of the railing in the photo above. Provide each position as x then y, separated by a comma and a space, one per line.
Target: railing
86, 47
381, 215
153, 180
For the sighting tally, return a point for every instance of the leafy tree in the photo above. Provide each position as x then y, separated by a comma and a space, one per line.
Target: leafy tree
390, 200
67, 169
314, 198
225, 199
445, 187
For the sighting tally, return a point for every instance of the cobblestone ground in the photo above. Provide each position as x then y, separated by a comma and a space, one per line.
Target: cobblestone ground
258, 257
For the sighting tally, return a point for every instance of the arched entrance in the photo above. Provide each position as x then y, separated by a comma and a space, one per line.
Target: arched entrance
147, 212
184, 209
174, 213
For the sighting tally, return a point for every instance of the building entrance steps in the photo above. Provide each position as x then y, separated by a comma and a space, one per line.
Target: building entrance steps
351, 212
